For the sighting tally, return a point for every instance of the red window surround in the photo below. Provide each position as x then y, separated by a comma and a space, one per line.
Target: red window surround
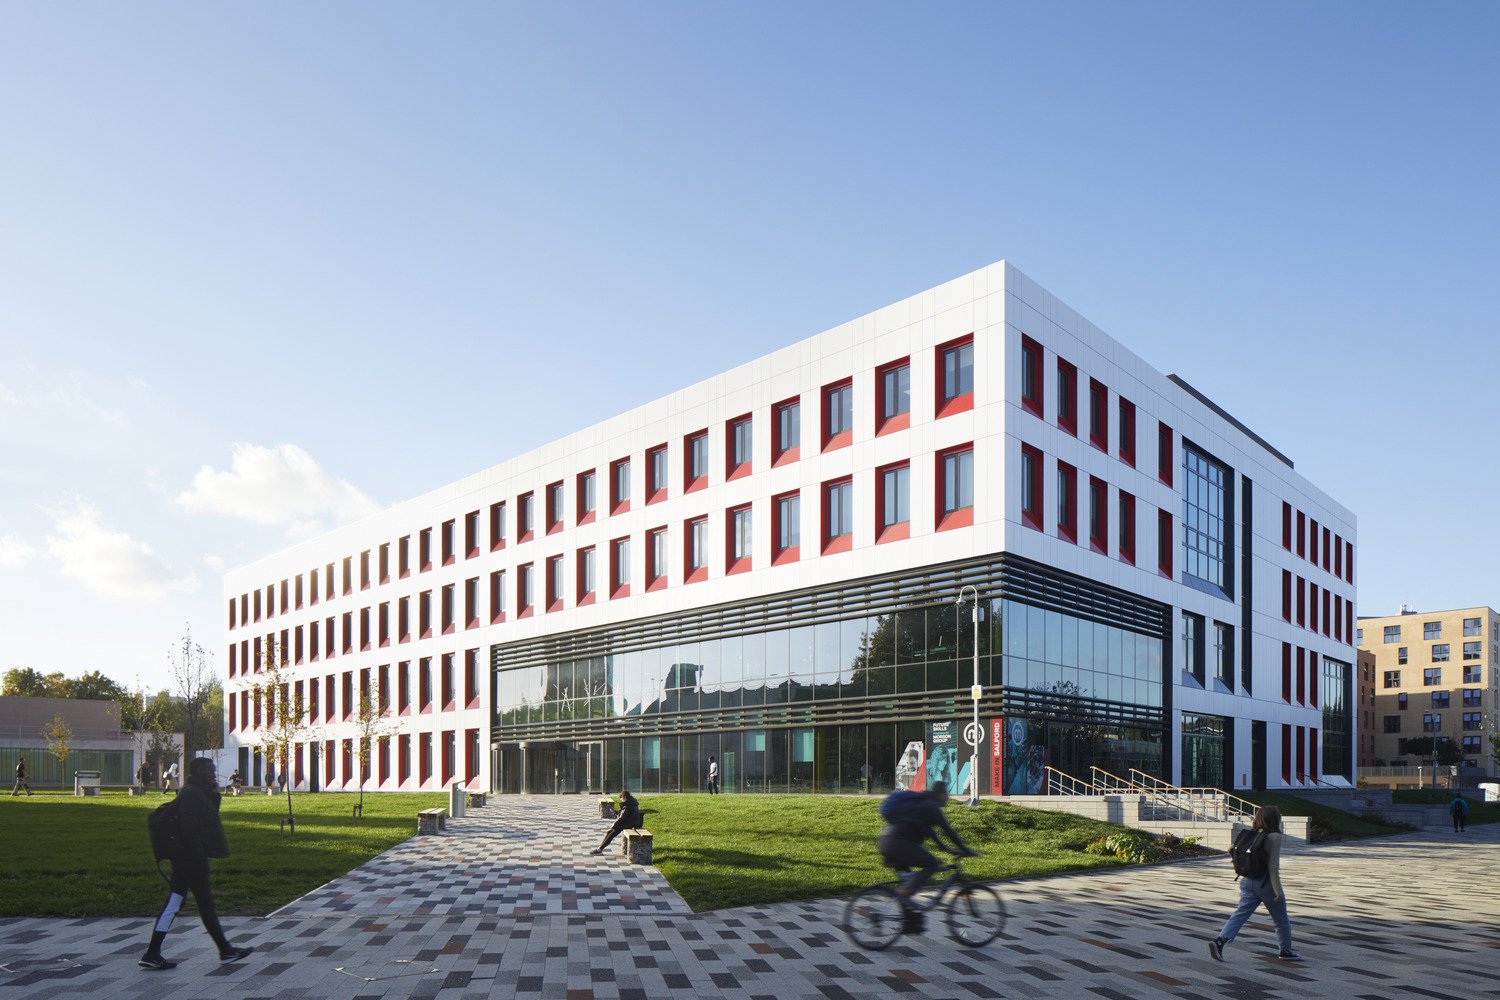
900, 421
617, 504
1338, 557
1067, 502
731, 470
1301, 753
525, 604
790, 553
691, 483
1127, 432
583, 598
901, 529
449, 611
1286, 672
1349, 561
962, 517
580, 502
497, 597
1301, 676
1327, 565
1312, 678
1286, 595
1286, 754
1031, 377
471, 535
471, 678
1301, 602
842, 543
471, 602
731, 564
690, 573
963, 401
619, 582
1312, 753
1312, 540
1301, 534
1312, 600
1327, 597
829, 439
1031, 487
497, 526
1164, 543
1067, 396
784, 455
1127, 528
1164, 454
552, 570
656, 568
1098, 415
657, 491
554, 495
1286, 525
1099, 533
525, 511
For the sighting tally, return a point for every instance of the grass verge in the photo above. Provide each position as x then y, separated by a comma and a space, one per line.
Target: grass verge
1327, 823
73, 857
743, 850
1480, 811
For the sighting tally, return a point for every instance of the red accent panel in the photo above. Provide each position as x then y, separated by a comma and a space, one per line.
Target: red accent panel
1032, 517
1126, 432
1327, 563
1326, 598
1127, 528
1301, 602
780, 455
960, 403
900, 421
895, 532
1312, 753
1035, 403
1312, 678
1301, 676
1338, 557
1312, 599
832, 441
1067, 506
1067, 402
1312, 540
690, 484
1286, 754
1286, 525
781, 556
1164, 543
1301, 534
1286, 672
1099, 397
732, 471
1286, 595
842, 543
1301, 754
731, 564
1164, 454
1349, 561
617, 504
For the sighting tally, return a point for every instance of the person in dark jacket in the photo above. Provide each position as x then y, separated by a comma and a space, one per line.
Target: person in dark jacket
23, 779
1459, 810
902, 844
630, 819
202, 837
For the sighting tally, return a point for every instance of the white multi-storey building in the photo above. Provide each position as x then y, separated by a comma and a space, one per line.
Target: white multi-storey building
763, 568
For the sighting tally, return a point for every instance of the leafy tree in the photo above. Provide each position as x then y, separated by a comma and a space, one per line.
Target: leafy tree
161, 750
188, 666
371, 724
1495, 748
94, 686
286, 718
1440, 748
59, 736
24, 682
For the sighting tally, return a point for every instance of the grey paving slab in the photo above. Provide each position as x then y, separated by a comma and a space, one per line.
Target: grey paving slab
1405, 917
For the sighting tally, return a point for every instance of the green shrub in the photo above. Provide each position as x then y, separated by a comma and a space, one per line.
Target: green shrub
1131, 845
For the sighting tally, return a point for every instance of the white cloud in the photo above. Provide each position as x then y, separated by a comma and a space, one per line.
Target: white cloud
14, 551
107, 561
280, 486
8, 397
215, 563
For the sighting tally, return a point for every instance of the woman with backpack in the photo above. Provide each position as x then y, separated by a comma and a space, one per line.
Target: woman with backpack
1257, 859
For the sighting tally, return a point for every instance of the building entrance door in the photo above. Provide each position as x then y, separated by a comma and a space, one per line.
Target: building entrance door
592, 755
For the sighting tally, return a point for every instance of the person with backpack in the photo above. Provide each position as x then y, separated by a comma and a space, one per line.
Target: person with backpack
910, 819
1459, 810
23, 779
168, 778
1256, 853
630, 819
188, 832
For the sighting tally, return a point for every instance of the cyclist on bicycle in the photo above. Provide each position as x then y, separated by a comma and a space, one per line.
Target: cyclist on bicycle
911, 818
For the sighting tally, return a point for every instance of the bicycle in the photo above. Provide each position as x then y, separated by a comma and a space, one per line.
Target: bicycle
875, 917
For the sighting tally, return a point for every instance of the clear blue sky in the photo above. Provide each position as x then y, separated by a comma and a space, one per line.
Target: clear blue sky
349, 238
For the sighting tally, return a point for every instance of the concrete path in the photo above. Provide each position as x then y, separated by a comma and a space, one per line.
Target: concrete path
1403, 917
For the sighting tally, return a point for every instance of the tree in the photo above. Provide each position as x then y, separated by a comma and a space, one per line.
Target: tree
94, 686
286, 718
59, 736
188, 665
1442, 749
24, 682
1495, 748
370, 724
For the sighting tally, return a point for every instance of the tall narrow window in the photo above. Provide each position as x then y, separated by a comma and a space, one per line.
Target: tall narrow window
1098, 415
1164, 454
1126, 432
656, 474
1067, 396
1031, 376
787, 446
788, 528
619, 486
1126, 529
586, 500
738, 547
739, 447
956, 502
1031, 487
893, 397
1207, 522
1098, 515
1067, 502
1164, 543
893, 502
695, 549
695, 462
838, 516
838, 414
955, 372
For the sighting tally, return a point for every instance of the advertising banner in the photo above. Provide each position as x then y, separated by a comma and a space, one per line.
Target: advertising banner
1025, 757
911, 769
997, 756
942, 755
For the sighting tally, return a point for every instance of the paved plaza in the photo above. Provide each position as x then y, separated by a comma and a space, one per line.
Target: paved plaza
509, 903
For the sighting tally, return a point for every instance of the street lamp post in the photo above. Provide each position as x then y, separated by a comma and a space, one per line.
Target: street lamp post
974, 693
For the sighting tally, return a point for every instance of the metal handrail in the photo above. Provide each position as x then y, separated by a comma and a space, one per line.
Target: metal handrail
1062, 783
1230, 802
1158, 795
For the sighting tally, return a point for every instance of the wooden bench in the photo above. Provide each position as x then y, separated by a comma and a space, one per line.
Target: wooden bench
475, 800
432, 820
636, 846
607, 808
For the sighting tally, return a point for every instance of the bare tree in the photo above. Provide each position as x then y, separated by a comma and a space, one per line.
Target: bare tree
59, 736
191, 679
371, 724
286, 720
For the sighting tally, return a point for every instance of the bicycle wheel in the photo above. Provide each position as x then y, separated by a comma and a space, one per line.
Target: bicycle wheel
873, 918
975, 914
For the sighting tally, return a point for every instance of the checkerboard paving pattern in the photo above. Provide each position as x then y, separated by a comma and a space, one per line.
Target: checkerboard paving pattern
1398, 918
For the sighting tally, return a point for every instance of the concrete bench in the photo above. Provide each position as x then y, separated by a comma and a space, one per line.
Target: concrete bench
432, 820
607, 808
636, 846
475, 800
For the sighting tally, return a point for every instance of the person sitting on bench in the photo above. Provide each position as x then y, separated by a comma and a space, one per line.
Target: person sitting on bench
630, 819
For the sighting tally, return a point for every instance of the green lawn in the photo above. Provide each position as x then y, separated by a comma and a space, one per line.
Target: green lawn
739, 850
1480, 811
68, 857
1327, 823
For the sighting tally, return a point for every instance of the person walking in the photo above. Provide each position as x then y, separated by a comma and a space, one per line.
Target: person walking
168, 778
1459, 810
142, 774
202, 837
630, 819
23, 779
1262, 889
713, 775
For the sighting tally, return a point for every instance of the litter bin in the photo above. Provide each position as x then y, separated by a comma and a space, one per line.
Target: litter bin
86, 782
456, 800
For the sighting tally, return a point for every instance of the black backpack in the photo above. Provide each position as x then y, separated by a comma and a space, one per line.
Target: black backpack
1251, 854
165, 831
